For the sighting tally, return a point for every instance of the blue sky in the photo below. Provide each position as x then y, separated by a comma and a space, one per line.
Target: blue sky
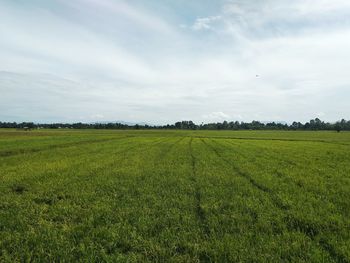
164, 61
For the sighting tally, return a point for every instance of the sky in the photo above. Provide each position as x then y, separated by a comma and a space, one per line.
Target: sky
161, 61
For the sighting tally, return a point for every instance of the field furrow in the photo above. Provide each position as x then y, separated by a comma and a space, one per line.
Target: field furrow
200, 213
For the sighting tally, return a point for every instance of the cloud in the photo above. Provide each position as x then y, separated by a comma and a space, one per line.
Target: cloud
122, 9
63, 60
216, 116
281, 17
56, 44
97, 116
205, 23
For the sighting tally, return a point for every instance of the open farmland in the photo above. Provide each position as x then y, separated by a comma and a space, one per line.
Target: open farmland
182, 196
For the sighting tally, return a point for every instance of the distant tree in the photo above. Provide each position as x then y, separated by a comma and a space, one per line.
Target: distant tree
337, 127
178, 125
315, 124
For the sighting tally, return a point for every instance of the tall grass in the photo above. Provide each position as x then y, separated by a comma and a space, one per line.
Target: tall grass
182, 196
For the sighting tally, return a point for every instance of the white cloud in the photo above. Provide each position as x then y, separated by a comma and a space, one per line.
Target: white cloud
120, 61
126, 11
84, 51
205, 23
269, 17
216, 116
309, 7
97, 116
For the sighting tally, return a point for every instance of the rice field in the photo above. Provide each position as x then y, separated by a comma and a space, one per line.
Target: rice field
174, 196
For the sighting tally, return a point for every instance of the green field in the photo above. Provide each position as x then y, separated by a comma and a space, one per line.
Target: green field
178, 196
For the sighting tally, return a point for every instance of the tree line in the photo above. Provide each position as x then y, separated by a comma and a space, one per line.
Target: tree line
315, 124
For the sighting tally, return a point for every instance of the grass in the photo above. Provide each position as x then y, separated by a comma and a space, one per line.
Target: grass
178, 196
